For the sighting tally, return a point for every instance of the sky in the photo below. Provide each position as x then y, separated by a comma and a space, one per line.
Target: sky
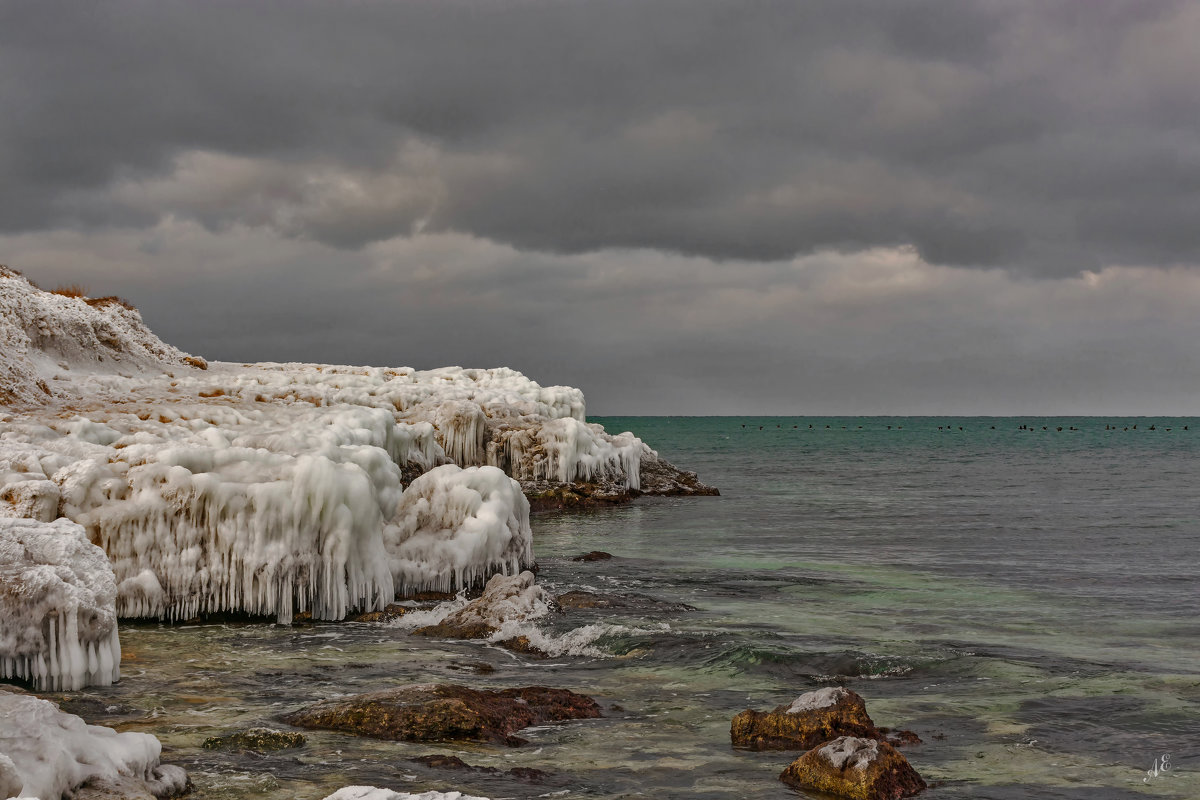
679, 206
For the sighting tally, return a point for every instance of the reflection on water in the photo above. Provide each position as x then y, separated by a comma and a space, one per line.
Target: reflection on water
1026, 606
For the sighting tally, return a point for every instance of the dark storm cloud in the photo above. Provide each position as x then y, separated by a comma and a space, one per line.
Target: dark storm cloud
1041, 137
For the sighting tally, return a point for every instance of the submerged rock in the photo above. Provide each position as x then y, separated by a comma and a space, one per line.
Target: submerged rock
444, 762
443, 713
595, 555
855, 768
580, 600
257, 739
811, 719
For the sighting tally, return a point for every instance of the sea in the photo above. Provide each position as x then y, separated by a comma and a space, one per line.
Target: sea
1022, 593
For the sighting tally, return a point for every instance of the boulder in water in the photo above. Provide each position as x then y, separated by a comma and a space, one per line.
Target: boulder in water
443, 713
855, 768
811, 719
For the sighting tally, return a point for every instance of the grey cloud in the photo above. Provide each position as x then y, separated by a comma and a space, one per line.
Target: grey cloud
1044, 138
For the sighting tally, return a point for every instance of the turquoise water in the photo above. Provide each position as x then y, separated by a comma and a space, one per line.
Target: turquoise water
1025, 600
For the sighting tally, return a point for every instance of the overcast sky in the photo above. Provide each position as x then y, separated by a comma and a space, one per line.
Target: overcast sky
680, 206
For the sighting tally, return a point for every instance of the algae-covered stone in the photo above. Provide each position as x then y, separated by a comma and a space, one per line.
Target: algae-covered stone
855, 768
256, 739
441, 713
811, 719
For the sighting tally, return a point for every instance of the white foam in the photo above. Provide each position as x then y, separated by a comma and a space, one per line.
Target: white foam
375, 793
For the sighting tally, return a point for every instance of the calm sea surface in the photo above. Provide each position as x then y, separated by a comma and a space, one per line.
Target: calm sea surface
1025, 600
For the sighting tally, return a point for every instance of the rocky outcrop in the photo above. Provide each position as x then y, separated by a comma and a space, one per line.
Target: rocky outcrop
855, 768
445, 713
811, 719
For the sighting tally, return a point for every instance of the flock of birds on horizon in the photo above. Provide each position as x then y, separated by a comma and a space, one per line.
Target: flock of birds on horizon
1057, 428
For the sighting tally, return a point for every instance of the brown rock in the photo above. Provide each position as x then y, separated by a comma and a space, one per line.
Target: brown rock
855, 768
441, 713
390, 612
811, 719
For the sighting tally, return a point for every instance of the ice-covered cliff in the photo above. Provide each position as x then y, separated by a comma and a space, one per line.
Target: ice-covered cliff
273, 489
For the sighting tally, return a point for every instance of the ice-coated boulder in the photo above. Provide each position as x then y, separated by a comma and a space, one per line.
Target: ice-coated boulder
454, 527
47, 753
58, 622
855, 768
505, 599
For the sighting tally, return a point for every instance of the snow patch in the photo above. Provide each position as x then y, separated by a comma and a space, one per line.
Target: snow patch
821, 698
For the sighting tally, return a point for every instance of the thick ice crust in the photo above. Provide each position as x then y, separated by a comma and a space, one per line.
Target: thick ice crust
58, 622
46, 753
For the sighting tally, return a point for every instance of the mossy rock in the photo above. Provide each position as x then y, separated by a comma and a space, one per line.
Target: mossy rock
260, 740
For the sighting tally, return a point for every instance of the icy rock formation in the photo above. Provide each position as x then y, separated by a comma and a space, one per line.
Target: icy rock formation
279, 488
455, 527
41, 333
374, 793
46, 753
58, 623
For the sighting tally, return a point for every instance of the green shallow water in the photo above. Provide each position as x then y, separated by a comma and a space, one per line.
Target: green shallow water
1024, 600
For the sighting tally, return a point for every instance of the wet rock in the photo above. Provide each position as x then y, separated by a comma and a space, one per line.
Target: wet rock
444, 762
579, 600
595, 555
390, 612
811, 719
443, 713
855, 768
259, 740
504, 598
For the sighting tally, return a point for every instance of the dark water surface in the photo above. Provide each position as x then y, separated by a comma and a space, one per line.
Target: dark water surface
1025, 600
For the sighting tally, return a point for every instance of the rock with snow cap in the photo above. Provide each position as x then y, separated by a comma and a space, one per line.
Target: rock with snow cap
809, 720
855, 768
